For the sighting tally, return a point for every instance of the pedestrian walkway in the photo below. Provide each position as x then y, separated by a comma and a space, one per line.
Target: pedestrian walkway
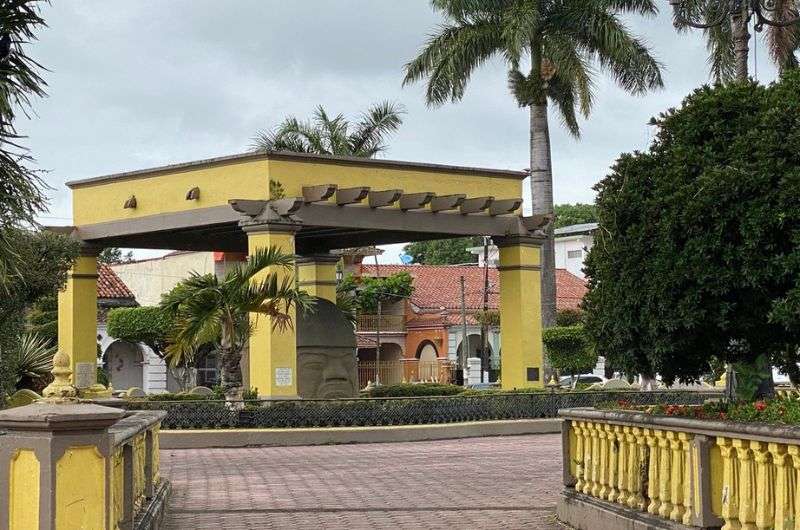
476, 483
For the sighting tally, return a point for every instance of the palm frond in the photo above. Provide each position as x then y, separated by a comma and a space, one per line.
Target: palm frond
381, 119
451, 56
261, 259
783, 42
565, 93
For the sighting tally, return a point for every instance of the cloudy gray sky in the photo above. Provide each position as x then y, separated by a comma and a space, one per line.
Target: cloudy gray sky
139, 83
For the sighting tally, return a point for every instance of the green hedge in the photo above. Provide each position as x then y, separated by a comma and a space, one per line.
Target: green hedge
415, 389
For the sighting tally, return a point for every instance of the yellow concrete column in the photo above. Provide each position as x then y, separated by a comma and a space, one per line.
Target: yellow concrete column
317, 275
273, 353
77, 324
520, 313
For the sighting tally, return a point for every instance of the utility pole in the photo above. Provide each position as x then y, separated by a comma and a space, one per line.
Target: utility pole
484, 325
378, 348
464, 341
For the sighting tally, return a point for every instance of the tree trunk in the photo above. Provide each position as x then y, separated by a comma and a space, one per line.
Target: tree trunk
231, 368
741, 37
542, 196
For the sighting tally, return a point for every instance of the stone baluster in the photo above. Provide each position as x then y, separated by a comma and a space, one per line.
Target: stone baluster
794, 452
595, 460
664, 475
588, 462
784, 487
622, 464
577, 428
602, 440
688, 470
747, 484
765, 486
613, 463
653, 477
634, 475
730, 484
641, 463
676, 477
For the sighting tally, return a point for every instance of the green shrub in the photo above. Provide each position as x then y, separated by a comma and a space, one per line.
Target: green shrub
415, 389
150, 325
568, 317
569, 349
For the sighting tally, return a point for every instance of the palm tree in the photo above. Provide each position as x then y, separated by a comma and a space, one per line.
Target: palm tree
324, 135
22, 194
208, 309
727, 42
564, 43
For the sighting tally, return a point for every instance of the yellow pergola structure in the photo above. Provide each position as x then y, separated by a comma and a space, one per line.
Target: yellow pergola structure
308, 205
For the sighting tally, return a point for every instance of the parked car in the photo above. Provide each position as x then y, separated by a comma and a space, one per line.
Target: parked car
583, 379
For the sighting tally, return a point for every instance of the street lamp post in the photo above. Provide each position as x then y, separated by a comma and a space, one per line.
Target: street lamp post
740, 12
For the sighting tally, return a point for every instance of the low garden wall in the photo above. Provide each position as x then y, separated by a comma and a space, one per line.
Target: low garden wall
634, 470
214, 414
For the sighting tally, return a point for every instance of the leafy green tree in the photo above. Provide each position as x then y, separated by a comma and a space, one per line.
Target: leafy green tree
569, 349
698, 255
114, 255
367, 290
553, 49
47, 257
443, 251
21, 188
205, 308
574, 214
43, 317
325, 135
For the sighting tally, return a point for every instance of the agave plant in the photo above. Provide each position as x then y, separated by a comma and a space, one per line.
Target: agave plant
33, 359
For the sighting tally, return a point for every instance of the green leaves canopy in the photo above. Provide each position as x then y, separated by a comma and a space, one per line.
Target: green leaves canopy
569, 349
443, 251
368, 290
150, 325
571, 39
698, 252
325, 135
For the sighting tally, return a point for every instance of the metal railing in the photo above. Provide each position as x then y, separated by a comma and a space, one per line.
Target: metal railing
388, 323
409, 370
208, 414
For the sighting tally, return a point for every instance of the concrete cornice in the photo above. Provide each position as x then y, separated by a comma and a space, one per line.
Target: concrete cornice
299, 157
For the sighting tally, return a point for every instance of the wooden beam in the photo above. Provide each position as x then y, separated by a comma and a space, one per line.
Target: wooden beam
447, 202
415, 201
351, 195
320, 193
284, 207
248, 207
505, 206
384, 198
476, 205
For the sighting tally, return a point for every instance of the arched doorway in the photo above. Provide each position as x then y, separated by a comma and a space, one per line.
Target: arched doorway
427, 361
124, 364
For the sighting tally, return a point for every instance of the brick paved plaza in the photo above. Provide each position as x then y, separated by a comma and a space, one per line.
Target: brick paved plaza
501, 482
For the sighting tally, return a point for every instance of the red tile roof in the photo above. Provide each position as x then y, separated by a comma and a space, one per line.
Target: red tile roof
109, 285
438, 288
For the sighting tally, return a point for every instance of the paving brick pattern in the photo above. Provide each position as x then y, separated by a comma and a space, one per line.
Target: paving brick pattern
500, 482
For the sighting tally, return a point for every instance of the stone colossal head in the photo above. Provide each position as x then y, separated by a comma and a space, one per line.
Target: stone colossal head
326, 353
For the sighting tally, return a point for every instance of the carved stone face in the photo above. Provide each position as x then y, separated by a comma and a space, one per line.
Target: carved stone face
326, 373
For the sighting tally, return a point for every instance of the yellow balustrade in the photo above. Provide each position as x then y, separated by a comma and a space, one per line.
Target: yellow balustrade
690, 476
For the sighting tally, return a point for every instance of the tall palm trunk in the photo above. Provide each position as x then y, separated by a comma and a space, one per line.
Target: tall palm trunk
542, 196
231, 366
741, 38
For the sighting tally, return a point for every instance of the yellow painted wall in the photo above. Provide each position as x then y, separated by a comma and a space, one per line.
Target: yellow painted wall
272, 350
77, 318
165, 191
23, 491
314, 278
520, 317
81, 489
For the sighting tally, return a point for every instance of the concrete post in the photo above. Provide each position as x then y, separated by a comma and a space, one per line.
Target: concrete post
317, 275
520, 312
272, 353
55, 464
77, 324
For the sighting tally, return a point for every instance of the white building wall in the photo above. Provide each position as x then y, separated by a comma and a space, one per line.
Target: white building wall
148, 279
154, 378
571, 253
